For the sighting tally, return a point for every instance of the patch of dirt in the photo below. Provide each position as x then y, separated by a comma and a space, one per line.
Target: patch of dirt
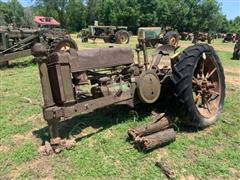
232, 69
23, 137
42, 167
231, 91
188, 177
4, 148
191, 152
234, 172
233, 80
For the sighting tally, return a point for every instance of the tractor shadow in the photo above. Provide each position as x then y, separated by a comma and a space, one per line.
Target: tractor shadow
105, 118
97, 121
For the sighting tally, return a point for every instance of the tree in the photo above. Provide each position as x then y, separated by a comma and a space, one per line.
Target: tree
11, 9
235, 25
27, 19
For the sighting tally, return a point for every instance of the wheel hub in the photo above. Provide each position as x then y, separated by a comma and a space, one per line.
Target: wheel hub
149, 87
206, 89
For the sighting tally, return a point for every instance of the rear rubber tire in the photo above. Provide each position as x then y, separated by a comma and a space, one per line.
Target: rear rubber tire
182, 78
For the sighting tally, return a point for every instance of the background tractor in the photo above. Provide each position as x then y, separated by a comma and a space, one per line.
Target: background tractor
230, 37
17, 42
185, 36
156, 35
203, 36
110, 34
82, 81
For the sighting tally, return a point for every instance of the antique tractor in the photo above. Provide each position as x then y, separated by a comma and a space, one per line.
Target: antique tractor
236, 52
194, 82
17, 42
110, 34
185, 36
230, 37
156, 35
202, 36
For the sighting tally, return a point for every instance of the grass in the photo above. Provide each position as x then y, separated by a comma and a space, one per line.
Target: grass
102, 150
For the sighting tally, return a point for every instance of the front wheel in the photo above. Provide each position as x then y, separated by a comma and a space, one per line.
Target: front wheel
199, 86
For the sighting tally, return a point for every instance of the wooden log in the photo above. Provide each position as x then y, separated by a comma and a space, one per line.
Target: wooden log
155, 140
150, 128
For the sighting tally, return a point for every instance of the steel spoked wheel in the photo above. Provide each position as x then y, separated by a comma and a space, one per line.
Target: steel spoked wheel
206, 87
63, 45
199, 86
122, 37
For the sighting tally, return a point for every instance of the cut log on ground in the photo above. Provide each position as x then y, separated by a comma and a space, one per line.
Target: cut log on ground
155, 140
150, 128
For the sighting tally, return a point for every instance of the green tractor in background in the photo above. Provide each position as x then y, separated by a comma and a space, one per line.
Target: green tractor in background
157, 35
110, 34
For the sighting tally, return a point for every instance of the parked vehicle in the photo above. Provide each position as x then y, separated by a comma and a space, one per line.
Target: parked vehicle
110, 34
17, 42
156, 35
185, 36
193, 84
229, 37
203, 36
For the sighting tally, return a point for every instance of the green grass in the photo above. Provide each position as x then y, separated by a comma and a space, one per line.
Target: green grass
105, 153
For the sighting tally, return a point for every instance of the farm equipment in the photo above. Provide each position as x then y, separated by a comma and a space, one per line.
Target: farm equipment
17, 42
236, 52
110, 34
194, 83
185, 36
229, 37
156, 35
201, 36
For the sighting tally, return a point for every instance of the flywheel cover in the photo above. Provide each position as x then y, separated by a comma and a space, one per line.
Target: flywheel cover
149, 87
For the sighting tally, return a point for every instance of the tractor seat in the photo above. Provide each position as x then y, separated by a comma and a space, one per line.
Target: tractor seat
100, 58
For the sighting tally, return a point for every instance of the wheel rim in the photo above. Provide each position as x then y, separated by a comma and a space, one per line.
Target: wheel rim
173, 41
123, 39
206, 87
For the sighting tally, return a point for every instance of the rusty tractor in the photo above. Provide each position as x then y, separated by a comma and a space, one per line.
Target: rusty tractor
110, 34
17, 42
156, 35
236, 52
202, 36
185, 36
230, 37
193, 83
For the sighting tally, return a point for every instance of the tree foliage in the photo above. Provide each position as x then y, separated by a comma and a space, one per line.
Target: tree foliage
183, 15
